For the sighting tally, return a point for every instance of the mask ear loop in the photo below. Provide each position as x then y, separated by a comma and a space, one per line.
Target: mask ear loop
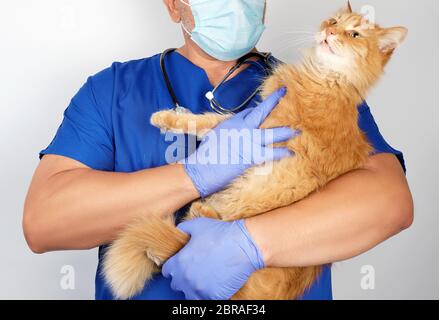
182, 24
186, 30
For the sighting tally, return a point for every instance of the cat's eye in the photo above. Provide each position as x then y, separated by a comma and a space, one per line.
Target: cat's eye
355, 34
332, 22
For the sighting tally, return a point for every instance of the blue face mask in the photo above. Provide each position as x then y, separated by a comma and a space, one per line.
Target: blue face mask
227, 29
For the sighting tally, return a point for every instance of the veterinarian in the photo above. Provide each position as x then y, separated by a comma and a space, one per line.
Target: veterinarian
107, 165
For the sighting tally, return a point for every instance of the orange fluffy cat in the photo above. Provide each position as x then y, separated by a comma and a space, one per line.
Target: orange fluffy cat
324, 91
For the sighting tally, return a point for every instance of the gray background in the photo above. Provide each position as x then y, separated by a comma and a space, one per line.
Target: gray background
49, 47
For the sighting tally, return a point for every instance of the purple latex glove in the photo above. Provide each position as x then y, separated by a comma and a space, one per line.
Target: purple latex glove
216, 262
218, 160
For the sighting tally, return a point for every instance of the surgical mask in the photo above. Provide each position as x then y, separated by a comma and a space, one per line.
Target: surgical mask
227, 29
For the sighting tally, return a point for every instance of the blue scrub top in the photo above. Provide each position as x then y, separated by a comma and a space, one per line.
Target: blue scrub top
106, 127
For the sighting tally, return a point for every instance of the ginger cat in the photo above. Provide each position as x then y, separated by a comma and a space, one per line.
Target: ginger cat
324, 91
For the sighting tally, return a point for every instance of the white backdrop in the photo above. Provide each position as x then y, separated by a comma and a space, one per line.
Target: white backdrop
49, 47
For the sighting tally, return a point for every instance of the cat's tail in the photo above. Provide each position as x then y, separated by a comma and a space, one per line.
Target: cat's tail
136, 255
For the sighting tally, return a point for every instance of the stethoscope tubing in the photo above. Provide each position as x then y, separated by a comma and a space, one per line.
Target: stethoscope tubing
215, 106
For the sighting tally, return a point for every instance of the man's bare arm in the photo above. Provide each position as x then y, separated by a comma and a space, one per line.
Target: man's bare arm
70, 206
349, 216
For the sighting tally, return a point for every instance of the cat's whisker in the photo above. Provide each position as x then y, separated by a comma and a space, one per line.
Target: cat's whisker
288, 34
291, 45
296, 43
337, 46
297, 39
290, 48
298, 32
295, 34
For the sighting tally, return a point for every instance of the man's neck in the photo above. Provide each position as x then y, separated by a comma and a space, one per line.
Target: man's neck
215, 69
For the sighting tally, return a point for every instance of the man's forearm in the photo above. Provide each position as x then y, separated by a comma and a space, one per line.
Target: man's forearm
82, 208
349, 216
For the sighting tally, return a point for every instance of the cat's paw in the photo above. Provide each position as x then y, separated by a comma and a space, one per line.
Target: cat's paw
199, 210
163, 119
174, 121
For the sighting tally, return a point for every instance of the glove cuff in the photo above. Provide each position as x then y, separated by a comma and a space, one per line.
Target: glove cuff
196, 178
255, 256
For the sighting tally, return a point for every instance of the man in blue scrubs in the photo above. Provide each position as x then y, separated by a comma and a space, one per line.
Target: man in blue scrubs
107, 165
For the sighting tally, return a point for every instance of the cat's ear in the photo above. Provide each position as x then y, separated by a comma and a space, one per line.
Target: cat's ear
349, 7
390, 38
346, 9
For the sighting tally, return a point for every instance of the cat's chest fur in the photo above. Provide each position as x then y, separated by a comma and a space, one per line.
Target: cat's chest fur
311, 101
325, 111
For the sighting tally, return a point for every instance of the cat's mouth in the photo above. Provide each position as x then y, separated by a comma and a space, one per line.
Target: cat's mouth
327, 46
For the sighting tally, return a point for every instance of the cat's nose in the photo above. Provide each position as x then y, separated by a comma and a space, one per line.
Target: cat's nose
331, 32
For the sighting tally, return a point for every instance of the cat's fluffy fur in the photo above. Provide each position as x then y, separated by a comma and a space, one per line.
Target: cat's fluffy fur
322, 98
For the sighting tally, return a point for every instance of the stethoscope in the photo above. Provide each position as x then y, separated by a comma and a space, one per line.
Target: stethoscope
263, 62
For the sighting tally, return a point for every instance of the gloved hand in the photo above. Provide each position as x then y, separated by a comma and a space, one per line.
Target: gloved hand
216, 262
220, 158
